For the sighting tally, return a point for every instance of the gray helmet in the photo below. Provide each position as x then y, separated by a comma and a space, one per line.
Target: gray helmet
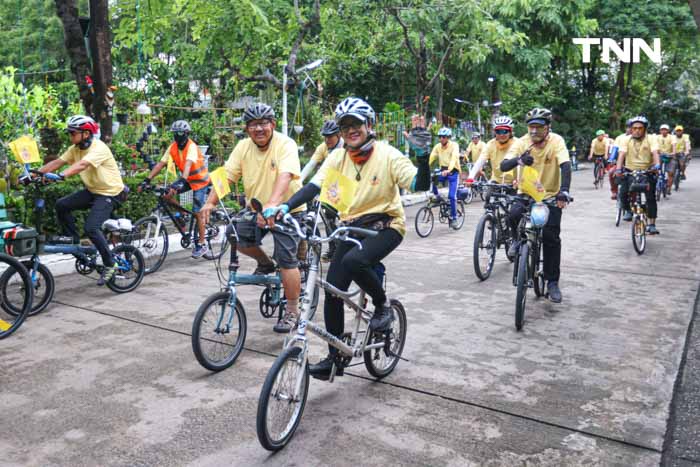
330, 128
180, 125
258, 111
639, 119
354, 107
539, 115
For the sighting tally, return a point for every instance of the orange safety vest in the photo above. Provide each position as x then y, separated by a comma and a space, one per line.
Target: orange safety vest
199, 175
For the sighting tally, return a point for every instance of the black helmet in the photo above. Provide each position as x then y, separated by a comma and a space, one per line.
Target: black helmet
539, 115
258, 112
330, 128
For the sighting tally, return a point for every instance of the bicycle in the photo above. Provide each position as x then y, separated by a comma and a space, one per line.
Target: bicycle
599, 167
638, 184
130, 262
13, 317
150, 235
220, 325
425, 220
529, 260
492, 231
285, 390
662, 179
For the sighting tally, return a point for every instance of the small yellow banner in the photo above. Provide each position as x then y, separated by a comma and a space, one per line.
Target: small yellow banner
25, 150
4, 325
338, 190
171, 167
219, 180
530, 183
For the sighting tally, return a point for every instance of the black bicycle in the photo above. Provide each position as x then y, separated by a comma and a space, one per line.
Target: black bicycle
12, 317
150, 234
492, 232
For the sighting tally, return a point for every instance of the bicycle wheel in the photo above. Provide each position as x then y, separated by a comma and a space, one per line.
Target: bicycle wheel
484, 247
381, 362
280, 405
130, 269
639, 234
601, 176
9, 323
13, 288
521, 284
536, 261
215, 232
424, 221
676, 180
218, 332
470, 195
152, 244
618, 216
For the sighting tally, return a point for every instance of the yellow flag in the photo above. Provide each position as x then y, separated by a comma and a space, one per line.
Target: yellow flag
171, 167
338, 190
219, 180
530, 183
25, 150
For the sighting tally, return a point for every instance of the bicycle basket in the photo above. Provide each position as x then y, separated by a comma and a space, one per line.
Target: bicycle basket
639, 183
539, 214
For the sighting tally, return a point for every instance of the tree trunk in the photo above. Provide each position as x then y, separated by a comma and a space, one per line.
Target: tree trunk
67, 10
101, 51
612, 104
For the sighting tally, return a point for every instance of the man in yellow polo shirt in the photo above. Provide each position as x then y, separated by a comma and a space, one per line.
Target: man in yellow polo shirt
446, 153
268, 162
681, 146
546, 152
474, 148
93, 161
666, 155
598, 152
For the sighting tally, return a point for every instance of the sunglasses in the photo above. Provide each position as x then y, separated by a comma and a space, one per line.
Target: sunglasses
502, 132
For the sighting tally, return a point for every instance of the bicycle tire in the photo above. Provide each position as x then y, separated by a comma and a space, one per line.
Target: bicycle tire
11, 323
215, 232
424, 218
676, 181
153, 245
9, 298
397, 339
470, 196
131, 265
536, 262
203, 318
490, 246
601, 175
639, 235
618, 217
521, 286
290, 354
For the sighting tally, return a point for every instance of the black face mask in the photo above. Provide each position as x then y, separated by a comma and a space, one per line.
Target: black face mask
86, 142
181, 140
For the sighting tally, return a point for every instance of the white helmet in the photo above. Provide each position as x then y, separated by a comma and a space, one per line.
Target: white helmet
665, 127
444, 131
503, 122
180, 125
354, 107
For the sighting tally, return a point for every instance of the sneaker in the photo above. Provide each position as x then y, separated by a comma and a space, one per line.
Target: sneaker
627, 216
286, 324
682, 176
199, 250
264, 269
322, 369
513, 250
382, 318
63, 240
553, 292
652, 230
107, 274
453, 224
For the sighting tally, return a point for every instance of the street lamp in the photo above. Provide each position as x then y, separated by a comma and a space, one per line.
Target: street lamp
285, 71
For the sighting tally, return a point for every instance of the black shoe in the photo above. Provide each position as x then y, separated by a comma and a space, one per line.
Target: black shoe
322, 369
627, 217
264, 269
553, 292
682, 176
382, 318
63, 240
512, 251
652, 230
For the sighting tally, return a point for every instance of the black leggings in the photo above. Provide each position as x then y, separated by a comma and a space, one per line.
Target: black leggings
100, 210
551, 241
350, 264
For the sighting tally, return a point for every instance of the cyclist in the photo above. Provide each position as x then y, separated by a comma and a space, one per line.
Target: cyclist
474, 148
194, 176
640, 153
681, 146
446, 153
268, 163
666, 154
545, 151
495, 152
379, 170
104, 189
612, 159
598, 152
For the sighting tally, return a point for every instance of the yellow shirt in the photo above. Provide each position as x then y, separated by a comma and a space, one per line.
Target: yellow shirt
102, 177
260, 170
495, 153
378, 188
638, 153
474, 150
620, 141
547, 160
447, 157
599, 147
191, 153
322, 151
681, 145
665, 144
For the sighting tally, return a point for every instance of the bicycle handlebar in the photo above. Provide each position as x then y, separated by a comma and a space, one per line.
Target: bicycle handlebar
341, 233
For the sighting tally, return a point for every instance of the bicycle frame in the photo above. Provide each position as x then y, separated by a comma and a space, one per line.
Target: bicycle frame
164, 206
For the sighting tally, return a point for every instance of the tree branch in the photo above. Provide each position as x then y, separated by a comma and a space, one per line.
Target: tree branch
440, 66
395, 13
304, 28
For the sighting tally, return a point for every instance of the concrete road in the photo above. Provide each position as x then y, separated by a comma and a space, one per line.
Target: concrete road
105, 379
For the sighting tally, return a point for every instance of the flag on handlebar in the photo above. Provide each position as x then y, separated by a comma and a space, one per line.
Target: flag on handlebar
530, 183
219, 181
25, 150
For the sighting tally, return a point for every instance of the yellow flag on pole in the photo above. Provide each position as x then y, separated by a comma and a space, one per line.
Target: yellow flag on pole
338, 190
171, 167
219, 180
530, 183
25, 150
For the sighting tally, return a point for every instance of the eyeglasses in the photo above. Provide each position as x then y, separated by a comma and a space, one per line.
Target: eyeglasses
351, 126
502, 132
641, 127
259, 125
